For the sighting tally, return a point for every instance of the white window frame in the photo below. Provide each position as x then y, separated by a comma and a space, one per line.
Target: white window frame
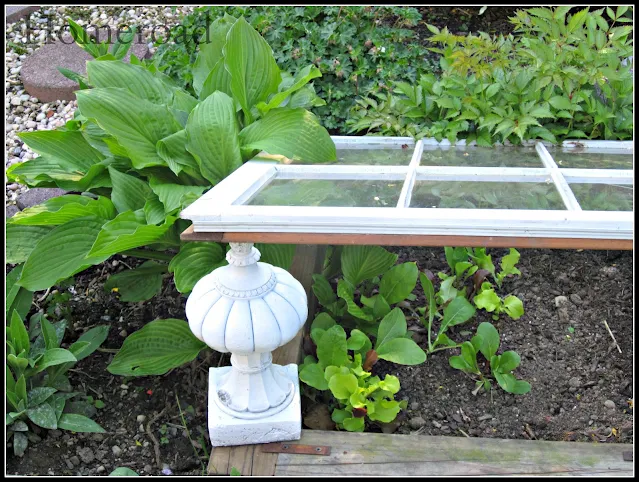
224, 208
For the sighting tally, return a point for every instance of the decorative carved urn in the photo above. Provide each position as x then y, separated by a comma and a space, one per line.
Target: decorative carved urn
248, 308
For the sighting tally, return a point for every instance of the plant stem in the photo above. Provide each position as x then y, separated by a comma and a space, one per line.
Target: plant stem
148, 254
445, 348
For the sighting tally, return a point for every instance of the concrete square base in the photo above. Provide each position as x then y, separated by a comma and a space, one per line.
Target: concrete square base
225, 429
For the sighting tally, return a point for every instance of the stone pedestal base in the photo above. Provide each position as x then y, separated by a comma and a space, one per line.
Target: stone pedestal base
225, 429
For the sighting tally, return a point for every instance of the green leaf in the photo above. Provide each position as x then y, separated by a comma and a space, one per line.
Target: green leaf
69, 149
212, 137
458, 311
93, 337
138, 284
155, 349
489, 339
560, 102
20, 443
280, 255
137, 124
510, 384
17, 298
61, 253
360, 263
492, 90
385, 410
211, 50
402, 351
301, 78
19, 334
273, 134
487, 300
171, 195
172, 150
429, 292
354, 424
342, 385
392, 326
398, 282
78, 423
43, 415
357, 340
513, 307
332, 349
53, 357
446, 290
129, 193
125, 471
127, 231
321, 323
249, 60
82, 39
194, 261
39, 395
49, 334
577, 20
323, 291
21, 241
153, 210
509, 361
381, 307
123, 42
345, 291
21, 390
134, 78
313, 375
59, 210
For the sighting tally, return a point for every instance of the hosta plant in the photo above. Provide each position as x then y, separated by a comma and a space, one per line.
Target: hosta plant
486, 342
342, 365
37, 387
140, 149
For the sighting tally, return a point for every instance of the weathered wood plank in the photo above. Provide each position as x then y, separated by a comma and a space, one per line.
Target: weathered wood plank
381, 454
410, 240
249, 459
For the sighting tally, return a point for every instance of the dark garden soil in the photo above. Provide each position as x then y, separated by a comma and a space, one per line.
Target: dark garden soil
582, 387
581, 384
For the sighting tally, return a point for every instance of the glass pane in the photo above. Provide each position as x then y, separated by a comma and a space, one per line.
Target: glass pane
482, 157
603, 197
388, 156
592, 160
485, 195
322, 192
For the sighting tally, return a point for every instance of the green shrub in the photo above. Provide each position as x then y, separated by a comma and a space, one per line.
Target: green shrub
559, 77
140, 149
357, 49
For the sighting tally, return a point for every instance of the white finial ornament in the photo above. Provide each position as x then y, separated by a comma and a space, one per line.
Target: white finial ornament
250, 308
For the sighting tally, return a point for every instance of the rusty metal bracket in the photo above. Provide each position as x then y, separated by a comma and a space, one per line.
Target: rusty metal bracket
291, 448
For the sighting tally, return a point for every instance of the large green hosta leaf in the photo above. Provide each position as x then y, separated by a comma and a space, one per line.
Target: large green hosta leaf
360, 263
172, 195
155, 349
173, 150
277, 254
211, 44
212, 137
61, 253
59, 210
129, 193
139, 284
135, 78
294, 133
289, 86
48, 172
137, 124
193, 262
249, 60
17, 298
127, 231
69, 148
21, 240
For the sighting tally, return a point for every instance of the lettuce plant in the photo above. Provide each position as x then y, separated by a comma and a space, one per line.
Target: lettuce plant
357, 395
140, 149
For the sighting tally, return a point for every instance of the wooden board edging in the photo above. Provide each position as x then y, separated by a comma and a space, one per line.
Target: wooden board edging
408, 240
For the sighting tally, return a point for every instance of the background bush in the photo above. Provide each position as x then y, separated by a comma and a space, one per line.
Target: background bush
359, 50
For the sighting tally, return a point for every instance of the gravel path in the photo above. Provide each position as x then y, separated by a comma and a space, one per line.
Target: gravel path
24, 113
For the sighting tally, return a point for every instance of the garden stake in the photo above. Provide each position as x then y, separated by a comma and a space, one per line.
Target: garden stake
611, 335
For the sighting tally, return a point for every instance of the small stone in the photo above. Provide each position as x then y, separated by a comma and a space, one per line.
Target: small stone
123, 334
436, 424
31, 124
576, 299
69, 463
414, 406
98, 437
100, 469
124, 386
148, 469
574, 382
560, 301
86, 454
15, 101
610, 405
486, 416
141, 418
55, 433
75, 460
117, 451
141, 428
416, 422
594, 417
